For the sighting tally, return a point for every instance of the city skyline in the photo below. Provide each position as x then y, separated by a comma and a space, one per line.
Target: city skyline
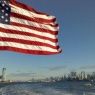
76, 19
71, 76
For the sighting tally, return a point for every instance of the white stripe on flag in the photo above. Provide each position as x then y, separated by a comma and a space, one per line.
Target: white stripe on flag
22, 29
22, 11
39, 25
28, 47
29, 38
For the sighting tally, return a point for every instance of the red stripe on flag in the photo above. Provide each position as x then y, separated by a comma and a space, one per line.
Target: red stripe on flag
39, 20
20, 5
27, 34
27, 51
36, 28
28, 42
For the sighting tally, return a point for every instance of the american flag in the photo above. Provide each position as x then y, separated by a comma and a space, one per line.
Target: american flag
22, 29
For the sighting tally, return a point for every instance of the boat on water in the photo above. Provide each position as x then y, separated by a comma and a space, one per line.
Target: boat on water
88, 84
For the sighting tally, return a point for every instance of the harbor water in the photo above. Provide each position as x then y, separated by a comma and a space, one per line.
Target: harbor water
56, 88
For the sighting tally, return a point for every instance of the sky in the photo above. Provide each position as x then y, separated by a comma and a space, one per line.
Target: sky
76, 19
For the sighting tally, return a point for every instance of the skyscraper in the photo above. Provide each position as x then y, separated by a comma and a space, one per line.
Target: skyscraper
73, 74
82, 75
4, 74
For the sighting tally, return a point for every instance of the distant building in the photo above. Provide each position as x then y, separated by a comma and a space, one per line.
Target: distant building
89, 77
4, 74
82, 75
93, 75
0, 77
73, 74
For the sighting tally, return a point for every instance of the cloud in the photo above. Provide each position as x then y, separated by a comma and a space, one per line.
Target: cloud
45, 67
21, 74
54, 68
57, 68
18, 71
73, 70
88, 67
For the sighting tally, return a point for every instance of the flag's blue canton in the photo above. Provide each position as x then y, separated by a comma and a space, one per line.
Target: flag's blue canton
4, 12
